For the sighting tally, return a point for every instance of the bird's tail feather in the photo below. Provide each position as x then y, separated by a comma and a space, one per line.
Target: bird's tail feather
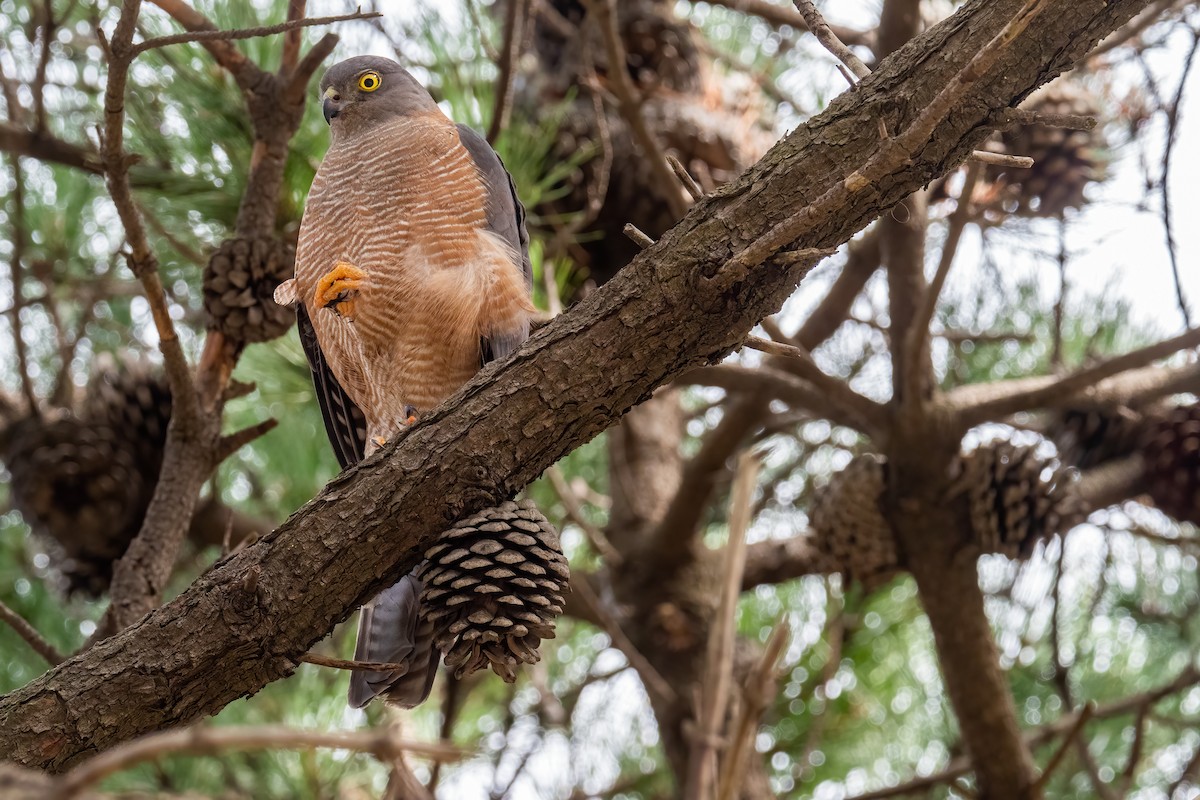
390, 630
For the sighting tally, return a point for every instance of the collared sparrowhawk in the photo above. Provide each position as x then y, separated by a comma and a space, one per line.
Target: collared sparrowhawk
412, 271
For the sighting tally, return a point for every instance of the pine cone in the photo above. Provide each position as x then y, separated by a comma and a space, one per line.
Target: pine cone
239, 289
1064, 161
133, 398
1172, 455
849, 526
1012, 505
1086, 437
77, 484
494, 584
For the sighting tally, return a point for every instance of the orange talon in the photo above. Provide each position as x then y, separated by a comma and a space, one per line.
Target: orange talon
337, 289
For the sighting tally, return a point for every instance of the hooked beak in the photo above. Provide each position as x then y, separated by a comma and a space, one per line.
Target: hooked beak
331, 105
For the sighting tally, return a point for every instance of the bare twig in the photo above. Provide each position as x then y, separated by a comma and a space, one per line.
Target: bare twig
230, 444
675, 540
245, 33
16, 274
757, 693
718, 668
685, 177
1076, 729
776, 348
1013, 117
291, 43
574, 508
1136, 26
516, 18
381, 743
637, 235
829, 40
1173, 115
869, 417
780, 16
141, 259
341, 663
35, 640
630, 102
1000, 159
916, 342
651, 678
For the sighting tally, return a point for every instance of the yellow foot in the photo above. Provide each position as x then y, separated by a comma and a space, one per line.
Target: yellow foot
410, 414
379, 441
337, 289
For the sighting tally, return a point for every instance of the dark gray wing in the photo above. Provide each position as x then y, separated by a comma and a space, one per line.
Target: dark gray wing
391, 631
344, 422
506, 217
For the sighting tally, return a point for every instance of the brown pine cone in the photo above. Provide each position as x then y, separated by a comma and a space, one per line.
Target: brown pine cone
1172, 457
239, 289
848, 523
1017, 498
77, 485
493, 586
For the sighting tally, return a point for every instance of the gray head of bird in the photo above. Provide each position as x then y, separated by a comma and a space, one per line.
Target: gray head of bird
360, 92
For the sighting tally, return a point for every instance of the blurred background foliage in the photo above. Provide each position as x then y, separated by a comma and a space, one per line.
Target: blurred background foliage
1110, 611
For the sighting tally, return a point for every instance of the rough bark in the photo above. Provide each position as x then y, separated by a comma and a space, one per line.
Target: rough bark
246, 622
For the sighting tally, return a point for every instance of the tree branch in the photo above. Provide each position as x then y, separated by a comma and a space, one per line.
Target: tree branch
975, 405
35, 640
203, 36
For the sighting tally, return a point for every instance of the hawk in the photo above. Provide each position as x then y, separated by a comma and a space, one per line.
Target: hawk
412, 271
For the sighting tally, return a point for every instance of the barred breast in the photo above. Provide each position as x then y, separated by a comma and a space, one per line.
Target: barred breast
404, 204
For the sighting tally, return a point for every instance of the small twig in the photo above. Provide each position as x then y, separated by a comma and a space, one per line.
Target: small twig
685, 177
829, 40
916, 342
1076, 729
35, 640
637, 235
359, 666
1164, 181
651, 678
382, 744
718, 667
1014, 117
245, 33
1000, 159
630, 102
231, 443
16, 275
515, 20
776, 348
756, 696
779, 16
574, 508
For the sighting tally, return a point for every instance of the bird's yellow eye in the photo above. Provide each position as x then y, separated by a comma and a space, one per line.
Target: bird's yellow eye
369, 81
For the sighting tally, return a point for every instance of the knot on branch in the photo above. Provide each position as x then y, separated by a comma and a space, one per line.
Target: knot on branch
239, 288
246, 606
